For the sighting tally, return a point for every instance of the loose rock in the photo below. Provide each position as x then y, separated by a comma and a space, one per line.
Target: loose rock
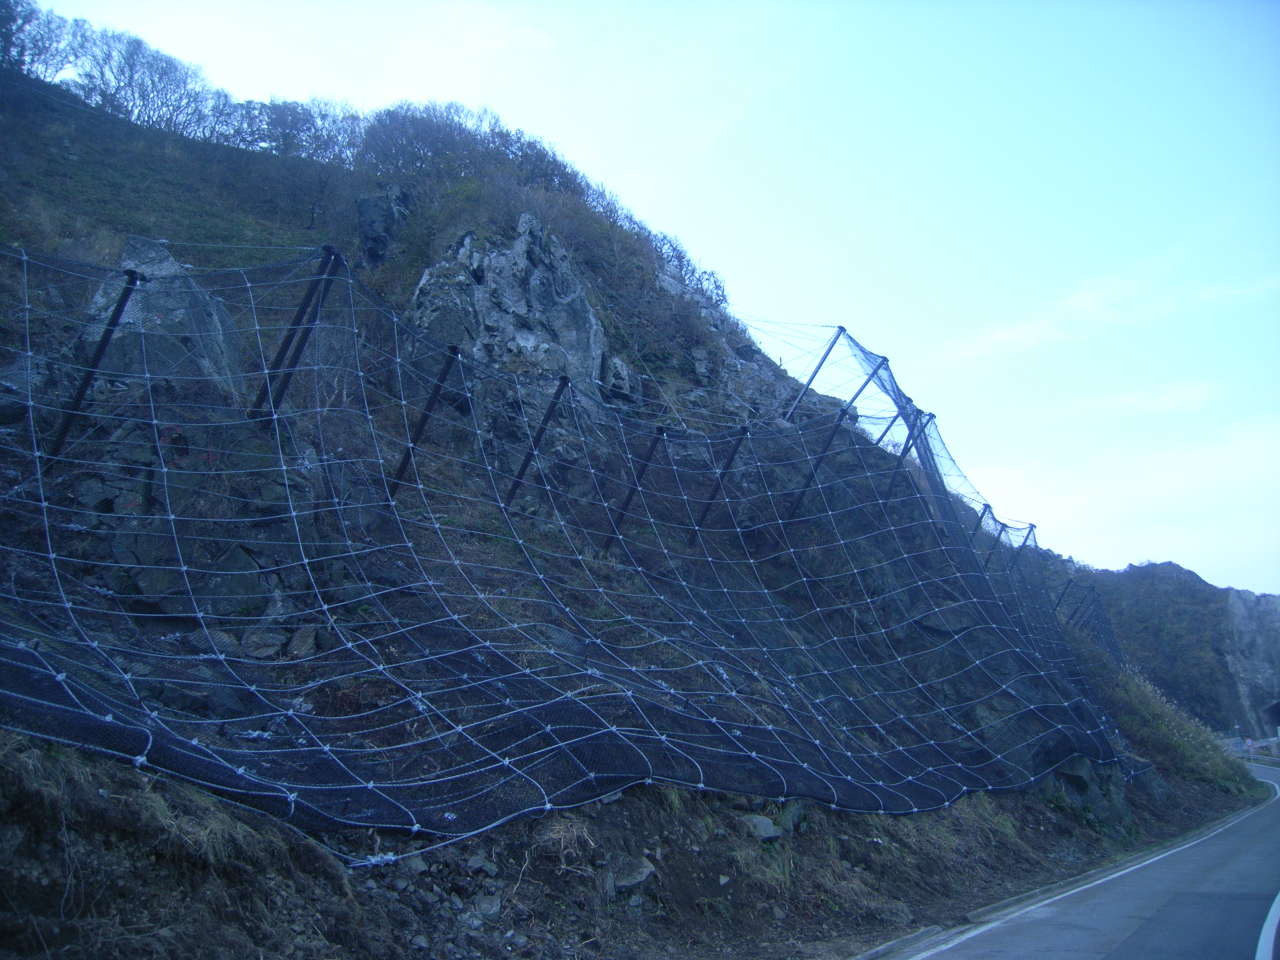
631, 872
762, 827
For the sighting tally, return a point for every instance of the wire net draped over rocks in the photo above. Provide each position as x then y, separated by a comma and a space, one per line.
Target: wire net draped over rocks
264, 535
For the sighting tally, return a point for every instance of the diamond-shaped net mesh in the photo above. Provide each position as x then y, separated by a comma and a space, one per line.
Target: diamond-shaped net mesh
260, 533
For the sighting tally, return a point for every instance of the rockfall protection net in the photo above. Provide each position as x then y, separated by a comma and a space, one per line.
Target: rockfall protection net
261, 534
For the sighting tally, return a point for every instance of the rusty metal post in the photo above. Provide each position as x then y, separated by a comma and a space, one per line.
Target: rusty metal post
616, 517
420, 427
537, 439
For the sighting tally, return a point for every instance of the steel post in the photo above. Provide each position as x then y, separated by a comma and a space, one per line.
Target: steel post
919, 421
131, 280
616, 516
996, 544
1065, 587
885, 432
297, 335
715, 489
537, 439
813, 474
420, 427
808, 383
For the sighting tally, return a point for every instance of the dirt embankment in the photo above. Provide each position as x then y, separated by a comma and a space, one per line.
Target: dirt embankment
98, 860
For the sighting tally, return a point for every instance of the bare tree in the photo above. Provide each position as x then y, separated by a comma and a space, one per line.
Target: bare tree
433, 139
15, 17
125, 76
224, 121
173, 96
50, 45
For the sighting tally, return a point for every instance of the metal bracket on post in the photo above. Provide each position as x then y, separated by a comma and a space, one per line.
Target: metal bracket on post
537, 439
616, 517
715, 489
296, 337
1018, 553
420, 427
131, 280
805, 389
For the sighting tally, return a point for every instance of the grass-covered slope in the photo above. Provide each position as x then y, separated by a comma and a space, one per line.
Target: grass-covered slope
77, 182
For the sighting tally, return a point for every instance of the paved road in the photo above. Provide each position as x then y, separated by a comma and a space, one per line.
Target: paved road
1215, 899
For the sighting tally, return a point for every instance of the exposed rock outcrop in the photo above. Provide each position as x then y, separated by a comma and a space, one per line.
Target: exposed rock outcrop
1214, 650
521, 309
379, 217
190, 337
1253, 657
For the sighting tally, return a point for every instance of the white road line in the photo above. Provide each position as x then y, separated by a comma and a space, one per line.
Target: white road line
1272, 918
1266, 942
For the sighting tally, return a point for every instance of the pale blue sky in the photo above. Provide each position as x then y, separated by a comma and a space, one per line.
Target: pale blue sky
1061, 221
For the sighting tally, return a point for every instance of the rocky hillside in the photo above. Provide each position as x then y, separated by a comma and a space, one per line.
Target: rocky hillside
592, 621
1214, 650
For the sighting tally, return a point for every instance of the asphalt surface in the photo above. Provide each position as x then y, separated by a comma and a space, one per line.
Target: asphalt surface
1216, 898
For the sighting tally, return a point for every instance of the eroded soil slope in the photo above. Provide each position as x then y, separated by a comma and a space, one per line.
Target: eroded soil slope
98, 860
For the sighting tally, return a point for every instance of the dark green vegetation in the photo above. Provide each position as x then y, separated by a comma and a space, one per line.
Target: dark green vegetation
79, 181
1174, 627
95, 853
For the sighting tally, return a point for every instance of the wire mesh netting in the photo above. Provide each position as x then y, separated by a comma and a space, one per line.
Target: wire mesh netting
262, 534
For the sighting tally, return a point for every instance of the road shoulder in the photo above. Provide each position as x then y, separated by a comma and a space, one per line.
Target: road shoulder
922, 941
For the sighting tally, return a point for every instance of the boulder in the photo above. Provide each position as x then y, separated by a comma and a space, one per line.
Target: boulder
631, 872
175, 331
761, 827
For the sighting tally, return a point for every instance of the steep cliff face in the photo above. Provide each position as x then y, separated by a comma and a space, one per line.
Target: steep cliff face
1253, 657
1215, 650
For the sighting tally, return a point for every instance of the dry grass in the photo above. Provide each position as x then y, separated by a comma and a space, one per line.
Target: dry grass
567, 838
